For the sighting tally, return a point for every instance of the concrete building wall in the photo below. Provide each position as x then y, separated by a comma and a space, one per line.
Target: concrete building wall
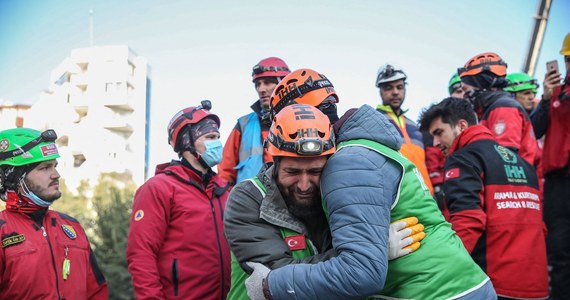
97, 102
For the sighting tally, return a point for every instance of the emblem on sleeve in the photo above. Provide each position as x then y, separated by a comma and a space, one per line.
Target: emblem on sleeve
452, 173
139, 215
69, 231
500, 127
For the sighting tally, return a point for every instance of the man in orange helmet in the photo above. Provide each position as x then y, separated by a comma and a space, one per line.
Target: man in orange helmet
365, 185
243, 154
483, 78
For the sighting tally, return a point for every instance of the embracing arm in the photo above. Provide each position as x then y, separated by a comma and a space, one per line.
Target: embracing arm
358, 186
253, 239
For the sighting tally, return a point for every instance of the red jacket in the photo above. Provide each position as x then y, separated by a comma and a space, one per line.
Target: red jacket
556, 152
509, 123
434, 160
496, 209
31, 260
176, 247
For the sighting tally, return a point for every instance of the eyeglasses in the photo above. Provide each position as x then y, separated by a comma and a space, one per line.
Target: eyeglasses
567, 59
258, 69
46, 136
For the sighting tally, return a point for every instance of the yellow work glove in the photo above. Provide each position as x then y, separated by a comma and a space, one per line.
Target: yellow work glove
404, 237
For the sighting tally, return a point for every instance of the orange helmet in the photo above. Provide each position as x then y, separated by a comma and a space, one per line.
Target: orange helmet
303, 86
270, 67
487, 61
300, 130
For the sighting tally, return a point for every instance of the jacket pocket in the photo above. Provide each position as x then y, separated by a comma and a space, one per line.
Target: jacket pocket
175, 276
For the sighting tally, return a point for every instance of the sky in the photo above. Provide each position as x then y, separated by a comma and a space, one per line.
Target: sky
206, 49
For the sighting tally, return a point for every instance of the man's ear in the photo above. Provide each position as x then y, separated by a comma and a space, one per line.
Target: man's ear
463, 124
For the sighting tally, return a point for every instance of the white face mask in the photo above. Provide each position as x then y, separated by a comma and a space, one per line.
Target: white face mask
213, 154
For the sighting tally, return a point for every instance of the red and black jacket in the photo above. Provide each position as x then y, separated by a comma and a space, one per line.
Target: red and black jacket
496, 209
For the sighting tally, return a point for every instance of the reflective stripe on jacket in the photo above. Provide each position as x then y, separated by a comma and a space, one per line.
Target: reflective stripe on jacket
413, 145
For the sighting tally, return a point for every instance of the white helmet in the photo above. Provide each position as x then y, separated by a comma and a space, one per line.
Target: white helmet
388, 73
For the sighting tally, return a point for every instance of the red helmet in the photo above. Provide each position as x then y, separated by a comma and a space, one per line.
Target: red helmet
186, 117
487, 61
270, 67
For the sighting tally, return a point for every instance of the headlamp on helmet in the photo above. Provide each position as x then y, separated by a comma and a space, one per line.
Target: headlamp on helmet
300, 130
389, 73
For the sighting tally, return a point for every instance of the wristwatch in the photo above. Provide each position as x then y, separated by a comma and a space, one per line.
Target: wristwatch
266, 292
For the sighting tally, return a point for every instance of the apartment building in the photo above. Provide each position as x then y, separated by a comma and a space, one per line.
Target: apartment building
98, 101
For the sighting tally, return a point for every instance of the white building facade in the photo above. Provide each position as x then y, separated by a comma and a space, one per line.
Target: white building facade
98, 101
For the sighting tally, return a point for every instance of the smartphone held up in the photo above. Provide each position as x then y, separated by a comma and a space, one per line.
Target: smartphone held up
552, 67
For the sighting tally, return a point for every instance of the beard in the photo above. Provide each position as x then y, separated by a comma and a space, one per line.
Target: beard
44, 193
302, 209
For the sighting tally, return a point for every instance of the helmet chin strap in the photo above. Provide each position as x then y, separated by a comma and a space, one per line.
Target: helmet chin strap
201, 161
33, 197
197, 156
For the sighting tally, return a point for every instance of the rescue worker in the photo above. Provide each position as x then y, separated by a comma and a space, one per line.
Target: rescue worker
524, 88
552, 117
454, 86
243, 151
45, 254
494, 201
176, 247
391, 82
366, 185
482, 79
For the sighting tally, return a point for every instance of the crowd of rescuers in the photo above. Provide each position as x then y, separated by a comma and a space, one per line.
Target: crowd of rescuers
308, 203
320, 223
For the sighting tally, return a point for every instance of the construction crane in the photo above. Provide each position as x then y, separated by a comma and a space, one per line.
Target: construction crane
541, 20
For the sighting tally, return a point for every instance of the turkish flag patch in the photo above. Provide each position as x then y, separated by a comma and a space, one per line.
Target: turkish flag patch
296, 242
452, 173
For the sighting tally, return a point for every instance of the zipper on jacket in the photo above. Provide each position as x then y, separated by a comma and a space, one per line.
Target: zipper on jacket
52, 261
175, 276
218, 240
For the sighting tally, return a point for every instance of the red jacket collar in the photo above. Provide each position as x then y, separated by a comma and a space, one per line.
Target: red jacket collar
471, 134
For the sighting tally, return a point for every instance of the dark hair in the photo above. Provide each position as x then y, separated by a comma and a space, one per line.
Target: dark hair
451, 110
